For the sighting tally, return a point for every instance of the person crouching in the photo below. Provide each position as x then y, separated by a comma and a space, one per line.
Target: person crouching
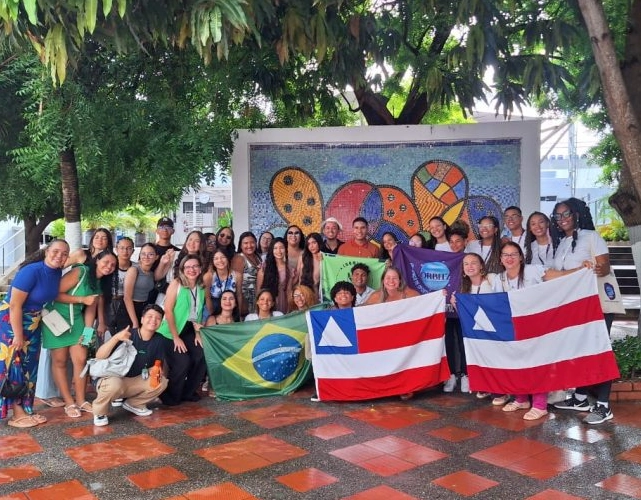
140, 385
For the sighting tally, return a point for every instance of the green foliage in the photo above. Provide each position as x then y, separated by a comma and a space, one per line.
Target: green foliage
226, 219
628, 354
57, 228
614, 231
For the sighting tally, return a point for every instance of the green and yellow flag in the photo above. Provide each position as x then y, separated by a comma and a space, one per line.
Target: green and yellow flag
257, 358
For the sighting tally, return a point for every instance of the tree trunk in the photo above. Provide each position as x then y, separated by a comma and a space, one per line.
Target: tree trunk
622, 117
70, 198
33, 229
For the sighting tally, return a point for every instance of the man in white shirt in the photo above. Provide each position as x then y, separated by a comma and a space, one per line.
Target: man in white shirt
360, 275
513, 219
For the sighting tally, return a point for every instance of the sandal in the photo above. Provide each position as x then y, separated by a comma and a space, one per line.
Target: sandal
39, 419
53, 402
73, 411
86, 406
22, 422
535, 414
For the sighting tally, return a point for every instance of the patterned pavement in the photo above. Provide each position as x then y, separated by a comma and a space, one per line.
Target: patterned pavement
434, 446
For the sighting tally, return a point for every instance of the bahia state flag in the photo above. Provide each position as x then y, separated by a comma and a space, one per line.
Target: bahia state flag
379, 350
338, 268
542, 338
257, 358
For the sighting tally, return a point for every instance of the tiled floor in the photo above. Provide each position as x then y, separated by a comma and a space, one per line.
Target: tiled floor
435, 446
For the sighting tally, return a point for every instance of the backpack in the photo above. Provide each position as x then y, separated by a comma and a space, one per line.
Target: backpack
116, 365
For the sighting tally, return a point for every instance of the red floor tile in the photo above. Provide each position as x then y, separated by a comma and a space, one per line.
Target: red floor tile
69, 490
11, 474
18, 445
392, 415
380, 493
465, 483
633, 455
453, 434
271, 417
88, 431
585, 434
156, 478
622, 483
165, 416
249, 454
532, 458
626, 414
553, 495
450, 400
207, 431
387, 456
330, 431
121, 451
223, 491
511, 421
15, 496
306, 479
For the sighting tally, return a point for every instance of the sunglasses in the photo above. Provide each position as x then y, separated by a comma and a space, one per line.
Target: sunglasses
293, 233
562, 215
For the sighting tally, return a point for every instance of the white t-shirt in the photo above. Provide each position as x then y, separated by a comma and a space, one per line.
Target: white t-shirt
589, 244
542, 255
254, 316
443, 247
487, 285
362, 297
532, 275
519, 240
476, 247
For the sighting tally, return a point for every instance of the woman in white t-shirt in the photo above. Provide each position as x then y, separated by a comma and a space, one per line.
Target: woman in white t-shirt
488, 246
582, 246
439, 232
538, 246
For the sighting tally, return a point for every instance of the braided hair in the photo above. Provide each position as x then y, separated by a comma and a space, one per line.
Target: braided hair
580, 215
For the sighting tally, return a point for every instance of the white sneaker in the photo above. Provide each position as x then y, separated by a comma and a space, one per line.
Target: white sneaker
100, 420
450, 384
143, 411
117, 402
465, 384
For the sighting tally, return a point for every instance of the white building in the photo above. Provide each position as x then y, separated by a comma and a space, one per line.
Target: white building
210, 202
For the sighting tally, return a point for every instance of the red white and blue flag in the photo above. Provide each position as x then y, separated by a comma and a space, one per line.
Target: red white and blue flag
547, 337
379, 350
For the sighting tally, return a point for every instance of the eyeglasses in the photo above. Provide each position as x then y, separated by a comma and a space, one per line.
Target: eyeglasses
293, 233
165, 228
191, 268
510, 255
147, 255
298, 295
562, 215
512, 217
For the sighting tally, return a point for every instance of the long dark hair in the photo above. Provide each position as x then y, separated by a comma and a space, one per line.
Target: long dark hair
493, 263
384, 253
202, 250
235, 313
530, 238
307, 275
301, 241
271, 278
580, 215
105, 284
110, 240
230, 248
431, 243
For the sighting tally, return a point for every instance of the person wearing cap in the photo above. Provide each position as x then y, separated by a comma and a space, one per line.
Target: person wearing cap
164, 232
359, 246
165, 255
330, 229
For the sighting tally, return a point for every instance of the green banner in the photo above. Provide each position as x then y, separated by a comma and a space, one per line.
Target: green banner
338, 268
257, 358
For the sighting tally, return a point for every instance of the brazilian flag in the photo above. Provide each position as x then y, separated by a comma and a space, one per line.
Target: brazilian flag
257, 358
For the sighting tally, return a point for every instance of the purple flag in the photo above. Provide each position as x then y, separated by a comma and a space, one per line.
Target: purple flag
429, 270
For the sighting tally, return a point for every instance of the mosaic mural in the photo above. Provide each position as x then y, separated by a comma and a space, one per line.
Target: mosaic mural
397, 187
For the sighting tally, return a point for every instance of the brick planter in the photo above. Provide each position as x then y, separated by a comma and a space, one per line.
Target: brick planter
626, 390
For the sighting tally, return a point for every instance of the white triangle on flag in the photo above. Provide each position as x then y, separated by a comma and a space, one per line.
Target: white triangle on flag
482, 322
333, 336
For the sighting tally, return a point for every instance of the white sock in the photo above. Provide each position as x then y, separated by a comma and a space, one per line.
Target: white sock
580, 397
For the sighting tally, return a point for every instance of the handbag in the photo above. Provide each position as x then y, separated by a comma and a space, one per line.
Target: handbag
14, 385
55, 322
117, 364
610, 294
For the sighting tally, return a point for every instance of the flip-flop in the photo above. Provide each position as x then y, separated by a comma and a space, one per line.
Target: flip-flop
53, 402
22, 422
39, 419
73, 411
86, 406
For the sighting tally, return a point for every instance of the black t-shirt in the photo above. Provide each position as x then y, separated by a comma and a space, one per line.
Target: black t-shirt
148, 352
162, 250
325, 249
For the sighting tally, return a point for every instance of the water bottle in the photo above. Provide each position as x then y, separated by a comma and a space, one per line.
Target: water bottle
155, 374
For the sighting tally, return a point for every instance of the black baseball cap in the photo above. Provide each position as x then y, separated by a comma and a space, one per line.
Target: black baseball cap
165, 221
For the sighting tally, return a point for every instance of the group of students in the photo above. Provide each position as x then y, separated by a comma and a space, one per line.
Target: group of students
162, 301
